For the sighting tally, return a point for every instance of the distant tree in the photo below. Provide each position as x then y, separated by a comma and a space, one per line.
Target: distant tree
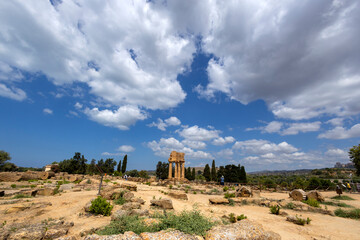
243, 175
207, 174
193, 175
188, 173
213, 171
144, 174
124, 163
119, 166
109, 165
221, 172
4, 156
162, 170
133, 173
76, 164
91, 168
354, 154
313, 183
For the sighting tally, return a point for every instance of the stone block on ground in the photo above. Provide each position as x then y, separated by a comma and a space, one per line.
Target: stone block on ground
125, 236
298, 195
111, 193
315, 195
129, 186
48, 191
128, 196
139, 212
118, 214
243, 191
138, 200
66, 187
244, 229
131, 205
162, 203
169, 235
218, 201
178, 195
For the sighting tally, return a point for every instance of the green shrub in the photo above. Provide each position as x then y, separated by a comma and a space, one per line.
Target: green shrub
229, 195
302, 221
290, 205
101, 206
232, 218
191, 222
225, 188
120, 201
194, 192
275, 209
107, 180
354, 213
170, 186
241, 217
32, 180
231, 202
49, 181
77, 181
244, 202
88, 181
338, 204
20, 196
33, 186
312, 202
13, 185
342, 198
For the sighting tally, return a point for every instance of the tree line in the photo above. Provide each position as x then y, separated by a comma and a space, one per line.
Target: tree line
231, 173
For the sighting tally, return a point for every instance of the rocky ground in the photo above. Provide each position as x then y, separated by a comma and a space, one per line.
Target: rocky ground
63, 215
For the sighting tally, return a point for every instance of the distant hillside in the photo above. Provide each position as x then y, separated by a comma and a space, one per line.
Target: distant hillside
281, 172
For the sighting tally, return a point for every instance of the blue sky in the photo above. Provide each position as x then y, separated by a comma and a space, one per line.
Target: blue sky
268, 86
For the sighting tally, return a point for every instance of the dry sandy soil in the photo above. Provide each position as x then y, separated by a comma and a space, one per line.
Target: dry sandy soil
69, 206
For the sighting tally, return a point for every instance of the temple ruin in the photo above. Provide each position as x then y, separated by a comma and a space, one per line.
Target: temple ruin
178, 159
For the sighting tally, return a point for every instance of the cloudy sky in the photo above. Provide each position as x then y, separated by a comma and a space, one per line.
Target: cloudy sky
267, 84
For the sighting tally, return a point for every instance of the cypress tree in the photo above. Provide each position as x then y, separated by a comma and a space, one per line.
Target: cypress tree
193, 174
206, 173
119, 167
123, 169
213, 171
243, 174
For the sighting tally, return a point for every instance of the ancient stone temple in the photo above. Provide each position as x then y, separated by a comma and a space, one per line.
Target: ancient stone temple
178, 159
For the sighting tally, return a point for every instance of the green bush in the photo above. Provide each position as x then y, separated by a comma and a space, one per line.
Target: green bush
342, 198
120, 201
302, 221
107, 180
231, 202
101, 206
354, 213
312, 202
33, 186
88, 181
225, 188
229, 195
191, 222
232, 218
13, 185
275, 209
241, 217
338, 204
20, 196
170, 186
290, 205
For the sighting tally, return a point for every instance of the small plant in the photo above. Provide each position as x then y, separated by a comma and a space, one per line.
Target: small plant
229, 195
194, 192
77, 181
275, 209
202, 191
101, 206
354, 213
244, 202
148, 183
231, 202
342, 198
13, 185
290, 205
225, 188
241, 217
170, 186
107, 180
33, 186
232, 218
300, 221
88, 181
186, 191
233, 188
56, 190
17, 196
120, 201
154, 197
32, 180
312, 202
115, 183
308, 220
338, 204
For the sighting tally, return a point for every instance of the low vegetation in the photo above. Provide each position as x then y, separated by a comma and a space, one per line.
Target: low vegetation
342, 198
229, 195
191, 222
312, 202
17, 196
337, 204
101, 206
275, 209
353, 213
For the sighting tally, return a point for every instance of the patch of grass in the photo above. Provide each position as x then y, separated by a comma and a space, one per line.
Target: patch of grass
353, 213
275, 210
32, 180
88, 181
170, 186
191, 222
194, 192
17, 196
290, 205
312, 202
338, 204
13, 185
244, 202
107, 180
225, 188
241, 217
229, 195
77, 181
342, 198
101, 206
214, 190
120, 201
231, 202
33, 186
49, 181
302, 221
232, 218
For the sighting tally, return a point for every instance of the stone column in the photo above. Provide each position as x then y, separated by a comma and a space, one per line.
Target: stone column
170, 170
179, 171
183, 170
176, 170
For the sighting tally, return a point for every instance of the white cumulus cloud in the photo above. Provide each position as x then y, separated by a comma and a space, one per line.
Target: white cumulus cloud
342, 133
126, 148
